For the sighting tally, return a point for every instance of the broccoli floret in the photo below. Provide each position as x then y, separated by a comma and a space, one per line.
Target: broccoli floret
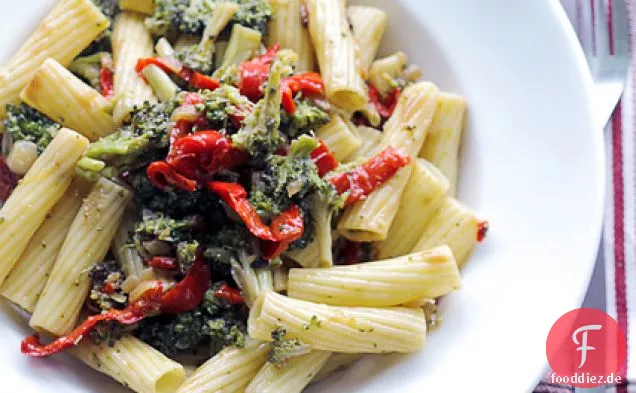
260, 135
186, 255
220, 105
307, 118
106, 280
190, 17
110, 8
197, 57
158, 226
283, 348
224, 246
215, 323
27, 124
89, 68
139, 143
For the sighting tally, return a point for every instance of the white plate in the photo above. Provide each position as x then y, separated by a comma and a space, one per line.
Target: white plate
532, 164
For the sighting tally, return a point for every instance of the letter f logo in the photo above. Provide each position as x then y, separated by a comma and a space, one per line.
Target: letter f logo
584, 347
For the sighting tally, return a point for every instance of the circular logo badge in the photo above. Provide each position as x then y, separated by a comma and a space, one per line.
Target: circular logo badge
586, 348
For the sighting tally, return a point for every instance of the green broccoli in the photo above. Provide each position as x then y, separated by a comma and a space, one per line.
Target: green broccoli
215, 323
197, 57
106, 281
135, 145
158, 226
260, 135
283, 348
25, 123
307, 118
186, 254
224, 246
172, 17
220, 104
89, 68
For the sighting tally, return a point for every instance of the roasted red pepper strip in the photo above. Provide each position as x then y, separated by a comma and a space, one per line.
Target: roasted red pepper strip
324, 159
189, 292
8, 180
307, 83
147, 304
164, 263
285, 229
106, 82
482, 230
235, 196
204, 153
162, 175
231, 295
195, 79
254, 74
387, 106
364, 179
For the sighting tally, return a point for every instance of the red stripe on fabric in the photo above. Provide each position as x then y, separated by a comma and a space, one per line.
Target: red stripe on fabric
619, 227
610, 25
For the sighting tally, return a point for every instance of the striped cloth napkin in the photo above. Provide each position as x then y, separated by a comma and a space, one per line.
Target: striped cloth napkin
618, 249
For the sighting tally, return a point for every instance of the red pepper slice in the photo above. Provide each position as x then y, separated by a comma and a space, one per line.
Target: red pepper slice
147, 304
482, 230
387, 106
162, 175
364, 179
184, 296
231, 295
8, 180
307, 83
285, 229
189, 292
255, 72
195, 79
106, 82
164, 263
204, 153
324, 159
108, 288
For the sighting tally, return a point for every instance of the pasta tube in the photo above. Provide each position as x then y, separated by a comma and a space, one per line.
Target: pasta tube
63, 97
41, 188
69, 28
338, 329
368, 25
126, 254
370, 220
424, 193
142, 6
86, 244
445, 135
131, 41
286, 29
308, 256
244, 43
22, 157
292, 377
27, 279
132, 363
452, 224
390, 282
370, 138
230, 371
336, 362
339, 138
336, 53
384, 71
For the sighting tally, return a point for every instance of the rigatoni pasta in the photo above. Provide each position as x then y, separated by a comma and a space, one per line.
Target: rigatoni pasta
27, 279
336, 53
62, 35
338, 329
42, 187
286, 29
131, 41
368, 25
142, 6
231, 370
339, 137
60, 95
383, 71
292, 377
133, 363
86, 243
391, 282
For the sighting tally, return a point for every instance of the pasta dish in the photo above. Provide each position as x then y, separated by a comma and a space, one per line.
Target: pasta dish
226, 195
